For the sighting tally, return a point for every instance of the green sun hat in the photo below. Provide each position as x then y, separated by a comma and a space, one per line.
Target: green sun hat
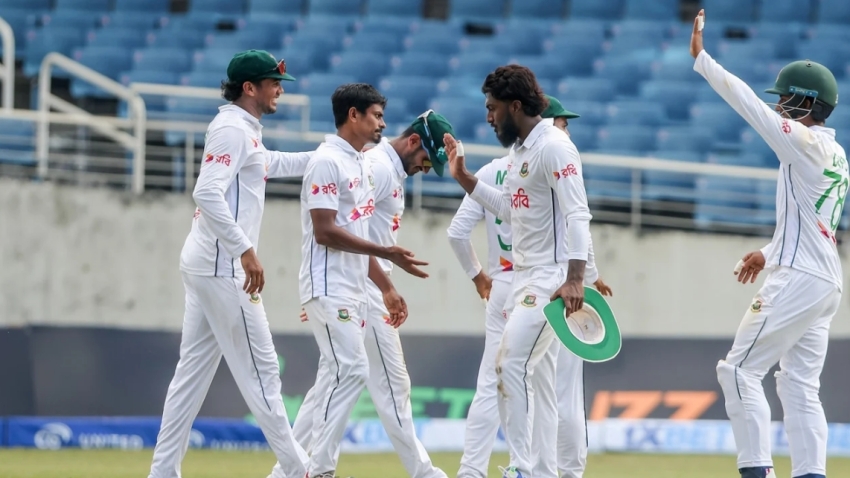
431, 127
591, 333
253, 65
557, 110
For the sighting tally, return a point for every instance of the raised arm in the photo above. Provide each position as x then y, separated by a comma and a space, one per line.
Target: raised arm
495, 201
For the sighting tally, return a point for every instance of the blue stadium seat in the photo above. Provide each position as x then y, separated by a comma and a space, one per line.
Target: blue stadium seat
465, 87
416, 63
675, 96
476, 9
593, 113
661, 185
834, 11
477, 64
222, 7
598, 9
505, 45
162, 58
317, 40
840, 118
784, 36
366, 67
169, 37
577, 56
636, 112
196, 22
204, 79
213, 60
627, 73
749, 160
718, 118
584, 30
321, 114
397, 116
706, 94
323, 84
463, 115
635, 138
606, 182
724, 200
424, 43
374, 41
246, 39
544, 9
17, 142
401, 27
133, 20
484, 134
548, 67
583, 135
153, 103
71, 19
752, 71
189, 109
395, 8
31, 5
153, 6
746, 49
109, 61
657, 30
753, 144
303, 62
275, 7
785, 11
43, 41
83, 5
652, 9
684, 139
730, 10
541, 28
437, 28
21, 20
680, 70
116, 37
416, 91
336, 7
828, 33
834, 56
628, 46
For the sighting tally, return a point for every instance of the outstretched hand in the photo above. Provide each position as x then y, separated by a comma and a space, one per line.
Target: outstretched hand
696, 34
454, 151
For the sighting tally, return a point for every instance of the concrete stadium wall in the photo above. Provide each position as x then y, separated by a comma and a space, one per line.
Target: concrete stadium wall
88, 257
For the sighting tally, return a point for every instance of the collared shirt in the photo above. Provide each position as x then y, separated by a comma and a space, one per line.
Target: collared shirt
337, 178
230, 193
543, 191
389, 197
812, 183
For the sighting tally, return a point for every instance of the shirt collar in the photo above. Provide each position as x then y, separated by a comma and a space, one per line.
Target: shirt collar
535, 133
394, 157
250, 119
342, 144
823, 129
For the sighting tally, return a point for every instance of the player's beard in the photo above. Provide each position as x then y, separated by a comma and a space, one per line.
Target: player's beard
376, 136
507, 132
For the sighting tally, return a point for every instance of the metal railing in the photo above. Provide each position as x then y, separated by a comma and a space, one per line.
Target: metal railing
7, 69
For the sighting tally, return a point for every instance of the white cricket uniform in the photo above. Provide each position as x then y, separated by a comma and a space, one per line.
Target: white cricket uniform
332, 284
220, 318
789, 319
543, 191
389, 382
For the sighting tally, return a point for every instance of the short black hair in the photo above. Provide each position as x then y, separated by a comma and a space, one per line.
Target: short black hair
232, 90
515, 82
359, 96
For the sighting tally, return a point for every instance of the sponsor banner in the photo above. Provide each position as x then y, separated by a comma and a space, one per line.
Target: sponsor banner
663, 378
368, 436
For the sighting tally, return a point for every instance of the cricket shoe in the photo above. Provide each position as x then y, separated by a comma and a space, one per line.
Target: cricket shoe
510, 472
758, 472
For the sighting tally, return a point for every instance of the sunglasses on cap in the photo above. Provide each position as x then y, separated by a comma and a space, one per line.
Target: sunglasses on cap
280, 67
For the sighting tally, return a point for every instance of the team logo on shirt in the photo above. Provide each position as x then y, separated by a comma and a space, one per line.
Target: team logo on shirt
363, 211
786, 126
396, 222
255, 298
570, 170
354, 183
506, 265
324, 189
398, 193
343, 316
523, 170
756, 307
222, 158
256, 142
520, 199
372, 181
530, 300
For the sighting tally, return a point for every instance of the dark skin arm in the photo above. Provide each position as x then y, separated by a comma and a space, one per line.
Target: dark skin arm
396, 306
572, 292
328, 234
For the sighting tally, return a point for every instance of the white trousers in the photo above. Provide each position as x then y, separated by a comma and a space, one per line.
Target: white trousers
788, 323
389, 386
220, 320
572, 418
527, 340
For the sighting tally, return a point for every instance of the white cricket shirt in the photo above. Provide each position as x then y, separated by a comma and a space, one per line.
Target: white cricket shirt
389, 177
500, 264
338, 178
812, 183
230, 193
542, 190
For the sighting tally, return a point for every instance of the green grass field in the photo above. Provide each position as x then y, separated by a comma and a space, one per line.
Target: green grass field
25, 463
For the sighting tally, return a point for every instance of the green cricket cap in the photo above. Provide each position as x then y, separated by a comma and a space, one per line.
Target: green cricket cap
557, 110
431, 127
806, 78
253, 65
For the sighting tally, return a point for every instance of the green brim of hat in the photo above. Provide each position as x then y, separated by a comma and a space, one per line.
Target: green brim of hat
775, 91
607, 348
438, 126
557, 110
278, 76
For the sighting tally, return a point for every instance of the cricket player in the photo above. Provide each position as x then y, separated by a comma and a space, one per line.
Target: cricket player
543, 190
418, 149
482, 420
338, 260
788, 321
222, 275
